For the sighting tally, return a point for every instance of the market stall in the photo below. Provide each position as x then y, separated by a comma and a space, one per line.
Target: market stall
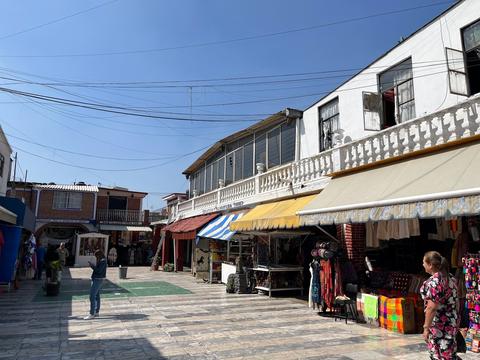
86, 245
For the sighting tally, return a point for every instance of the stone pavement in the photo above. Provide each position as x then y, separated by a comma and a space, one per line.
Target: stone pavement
203, 323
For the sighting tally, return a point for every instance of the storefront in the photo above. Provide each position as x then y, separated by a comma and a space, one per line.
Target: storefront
178, 240
218, 249
392, 215
278, 260
86, 245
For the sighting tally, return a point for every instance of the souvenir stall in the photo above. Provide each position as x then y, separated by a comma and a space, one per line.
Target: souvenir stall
86, 245
218, 249
277, 237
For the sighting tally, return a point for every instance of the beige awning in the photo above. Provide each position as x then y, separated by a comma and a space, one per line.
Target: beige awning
7, 216
125, 228
443, 184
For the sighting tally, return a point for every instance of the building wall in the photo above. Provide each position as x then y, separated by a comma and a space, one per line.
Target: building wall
102, 202
134, 204
28, 196
431, 92
46, 211
4, 176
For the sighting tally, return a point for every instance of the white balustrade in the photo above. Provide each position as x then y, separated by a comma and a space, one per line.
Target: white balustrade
454, 123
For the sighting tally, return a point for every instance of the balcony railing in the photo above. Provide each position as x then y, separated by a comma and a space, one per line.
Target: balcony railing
120, 216
458, 122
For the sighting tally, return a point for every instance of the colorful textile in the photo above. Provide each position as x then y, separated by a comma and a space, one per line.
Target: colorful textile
370, 306
397, 314
442, 290
360, 307
326, 282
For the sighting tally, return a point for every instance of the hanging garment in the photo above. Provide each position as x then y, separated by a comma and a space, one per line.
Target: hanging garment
382, 232
310, 302
372, 240
443, 230
326, 282
414, 227
403, 229
315, 283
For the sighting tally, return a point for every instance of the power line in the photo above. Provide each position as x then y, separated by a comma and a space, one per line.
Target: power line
56, 20
89, 155
240, 39
110, 170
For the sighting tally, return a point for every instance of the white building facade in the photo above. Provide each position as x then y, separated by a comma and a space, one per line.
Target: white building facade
419, 95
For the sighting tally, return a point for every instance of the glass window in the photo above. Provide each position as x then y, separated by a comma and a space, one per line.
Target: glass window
67, 200
238, 156
471, 36
208, 178
274, 147
215, 175
288, 142
248, 160
261, 149
221, 168
229, 169
328, 123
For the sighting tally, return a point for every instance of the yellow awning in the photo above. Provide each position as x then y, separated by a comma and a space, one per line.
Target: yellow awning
272, 216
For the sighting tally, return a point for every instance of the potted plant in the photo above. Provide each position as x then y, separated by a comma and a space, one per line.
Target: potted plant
52, 285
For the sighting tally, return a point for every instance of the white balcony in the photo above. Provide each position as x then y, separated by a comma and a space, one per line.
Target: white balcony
454, 124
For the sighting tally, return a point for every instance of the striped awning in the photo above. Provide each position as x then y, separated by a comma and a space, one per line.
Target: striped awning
219, 228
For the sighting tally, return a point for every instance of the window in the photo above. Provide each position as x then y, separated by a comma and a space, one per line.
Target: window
248, 160
229, 168
67, 200
221, 168
208, 178
328, 123
471, 43
398, 100
273, 147
261, 149
117, 202
238, 160
215, 175
372, 105
288, 142
2, 164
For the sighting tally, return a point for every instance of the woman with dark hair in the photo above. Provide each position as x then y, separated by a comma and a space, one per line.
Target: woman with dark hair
439, 293
99, 274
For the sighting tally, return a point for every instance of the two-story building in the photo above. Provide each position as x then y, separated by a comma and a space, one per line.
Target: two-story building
399, 140
120, 215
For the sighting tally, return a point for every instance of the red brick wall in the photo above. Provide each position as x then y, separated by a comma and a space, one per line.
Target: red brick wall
354, 243
46, 210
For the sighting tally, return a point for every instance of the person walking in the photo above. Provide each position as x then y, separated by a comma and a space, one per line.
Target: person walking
439, 293
62, 254
40, 260
98, 276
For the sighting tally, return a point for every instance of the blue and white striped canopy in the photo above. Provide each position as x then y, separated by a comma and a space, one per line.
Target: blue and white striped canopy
219, 227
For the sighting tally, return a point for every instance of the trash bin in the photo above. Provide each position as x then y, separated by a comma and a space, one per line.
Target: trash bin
122, 272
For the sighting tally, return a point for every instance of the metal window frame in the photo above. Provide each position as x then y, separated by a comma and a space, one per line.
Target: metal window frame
329, 120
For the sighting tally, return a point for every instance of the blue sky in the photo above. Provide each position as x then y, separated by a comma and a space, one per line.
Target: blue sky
43, 48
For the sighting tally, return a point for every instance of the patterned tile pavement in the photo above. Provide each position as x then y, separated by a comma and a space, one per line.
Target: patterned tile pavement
203, 323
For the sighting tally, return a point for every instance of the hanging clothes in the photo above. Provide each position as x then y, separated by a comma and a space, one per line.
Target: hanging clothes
338, 288
316, 283
372, 239
326, 283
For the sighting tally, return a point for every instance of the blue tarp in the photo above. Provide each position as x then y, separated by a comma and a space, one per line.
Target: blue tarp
9, 252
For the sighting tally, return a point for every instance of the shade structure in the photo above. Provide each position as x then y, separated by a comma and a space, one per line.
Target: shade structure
441, 184
272, 216
7, 216
219, 228
125, 228
186, 229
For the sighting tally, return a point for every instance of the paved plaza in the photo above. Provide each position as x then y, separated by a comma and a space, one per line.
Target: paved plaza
156, 315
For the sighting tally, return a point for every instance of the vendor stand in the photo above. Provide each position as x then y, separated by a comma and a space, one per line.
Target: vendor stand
86, 245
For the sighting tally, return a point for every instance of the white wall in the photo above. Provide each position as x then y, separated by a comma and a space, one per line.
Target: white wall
6, 151
431, 90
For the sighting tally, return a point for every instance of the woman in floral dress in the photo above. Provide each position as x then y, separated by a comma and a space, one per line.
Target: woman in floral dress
439, 293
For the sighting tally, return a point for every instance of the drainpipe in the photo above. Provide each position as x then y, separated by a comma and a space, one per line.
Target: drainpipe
37, 202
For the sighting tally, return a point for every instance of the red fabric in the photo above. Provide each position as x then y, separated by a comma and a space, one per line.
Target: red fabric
190, 224
326, 282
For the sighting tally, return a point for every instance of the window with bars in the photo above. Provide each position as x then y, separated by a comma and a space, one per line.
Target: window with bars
288, 142
64, 200
329, 118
